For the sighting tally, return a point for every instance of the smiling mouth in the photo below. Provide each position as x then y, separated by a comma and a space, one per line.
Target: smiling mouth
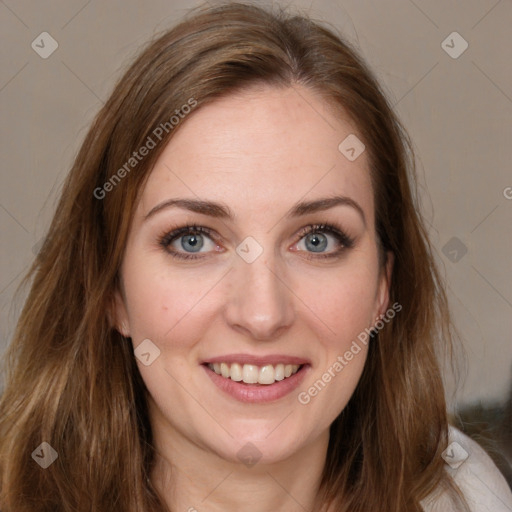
254, 374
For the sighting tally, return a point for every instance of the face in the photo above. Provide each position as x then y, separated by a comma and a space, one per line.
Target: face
267, 275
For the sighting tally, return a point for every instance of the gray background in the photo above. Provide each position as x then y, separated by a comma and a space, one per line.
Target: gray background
457, 110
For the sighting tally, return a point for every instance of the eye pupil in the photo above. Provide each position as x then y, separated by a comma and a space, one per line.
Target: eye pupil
316, 242
195, 242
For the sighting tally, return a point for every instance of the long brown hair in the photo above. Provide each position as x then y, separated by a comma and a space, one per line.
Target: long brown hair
72, 379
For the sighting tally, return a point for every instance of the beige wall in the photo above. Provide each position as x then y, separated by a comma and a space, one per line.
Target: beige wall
458, 111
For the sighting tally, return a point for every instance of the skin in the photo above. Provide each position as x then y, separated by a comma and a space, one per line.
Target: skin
258, 152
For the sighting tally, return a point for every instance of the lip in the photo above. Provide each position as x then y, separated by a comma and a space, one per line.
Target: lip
257, 393
272, 359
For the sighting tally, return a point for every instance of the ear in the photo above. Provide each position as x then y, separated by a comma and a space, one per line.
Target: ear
118, 314
382, 298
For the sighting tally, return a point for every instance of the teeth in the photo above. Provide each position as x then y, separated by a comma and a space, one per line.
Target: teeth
252, 374
224, 369
266, 375
279, 372
235, 372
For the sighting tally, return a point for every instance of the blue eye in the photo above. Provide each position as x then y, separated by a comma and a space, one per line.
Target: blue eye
316, 242
186, 242
191, 238
316, 239
194, 242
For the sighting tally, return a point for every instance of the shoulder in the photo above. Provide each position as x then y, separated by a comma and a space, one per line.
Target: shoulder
476, 475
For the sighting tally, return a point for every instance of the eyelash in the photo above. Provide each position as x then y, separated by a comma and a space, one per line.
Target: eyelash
345, 241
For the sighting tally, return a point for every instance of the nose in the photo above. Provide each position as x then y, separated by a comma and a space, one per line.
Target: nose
260, 302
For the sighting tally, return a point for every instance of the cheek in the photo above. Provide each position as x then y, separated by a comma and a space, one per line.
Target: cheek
340, 301
343, 304
161, 300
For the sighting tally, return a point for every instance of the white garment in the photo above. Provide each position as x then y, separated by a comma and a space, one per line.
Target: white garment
481, 482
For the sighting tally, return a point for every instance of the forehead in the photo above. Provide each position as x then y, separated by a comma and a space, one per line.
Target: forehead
260, 151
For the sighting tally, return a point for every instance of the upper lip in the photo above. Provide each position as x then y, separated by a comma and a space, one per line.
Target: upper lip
272, 359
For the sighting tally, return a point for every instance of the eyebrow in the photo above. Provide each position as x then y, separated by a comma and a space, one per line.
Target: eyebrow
222, 211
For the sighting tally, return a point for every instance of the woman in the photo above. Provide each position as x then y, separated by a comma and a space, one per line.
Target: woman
236, 306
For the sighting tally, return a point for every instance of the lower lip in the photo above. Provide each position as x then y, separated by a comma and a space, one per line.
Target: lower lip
258, 393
